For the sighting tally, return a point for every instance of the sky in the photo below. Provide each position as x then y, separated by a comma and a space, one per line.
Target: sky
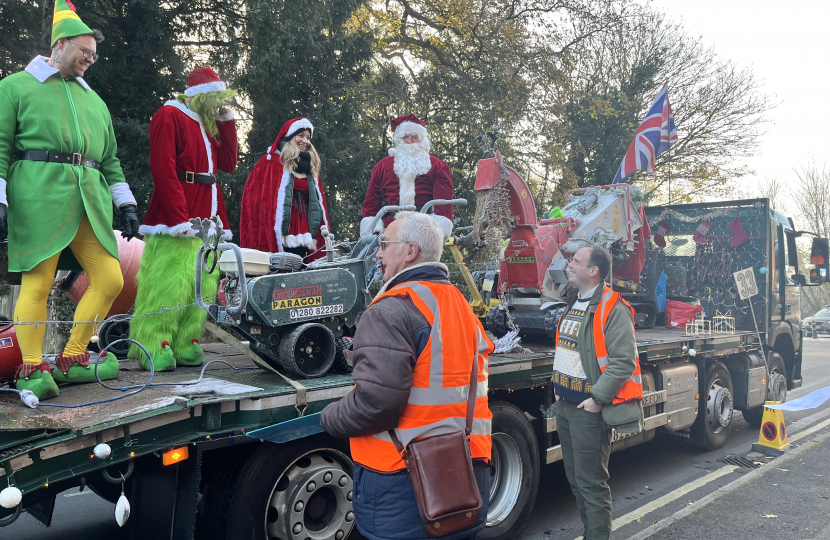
787, 44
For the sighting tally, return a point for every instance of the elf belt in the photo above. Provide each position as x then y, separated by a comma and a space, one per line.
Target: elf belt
56, 157
196, 178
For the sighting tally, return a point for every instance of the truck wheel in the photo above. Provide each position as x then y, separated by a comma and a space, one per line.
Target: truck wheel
714, 416
514, 470
776, 389
294, 492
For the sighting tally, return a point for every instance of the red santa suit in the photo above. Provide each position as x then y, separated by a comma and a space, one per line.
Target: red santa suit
180, 144
426, 178
281, 210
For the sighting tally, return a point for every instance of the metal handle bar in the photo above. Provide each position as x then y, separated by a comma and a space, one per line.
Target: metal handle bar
385, 209
240, 268
439, 202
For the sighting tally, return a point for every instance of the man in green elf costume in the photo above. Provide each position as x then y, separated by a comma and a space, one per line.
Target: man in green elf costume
59, 178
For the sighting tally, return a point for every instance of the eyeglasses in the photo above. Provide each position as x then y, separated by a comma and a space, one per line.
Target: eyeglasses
384, 243
89, 55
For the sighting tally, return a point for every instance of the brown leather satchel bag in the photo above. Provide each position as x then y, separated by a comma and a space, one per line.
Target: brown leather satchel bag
442, 475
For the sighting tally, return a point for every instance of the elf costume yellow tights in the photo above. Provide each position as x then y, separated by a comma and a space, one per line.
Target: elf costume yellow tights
105, 282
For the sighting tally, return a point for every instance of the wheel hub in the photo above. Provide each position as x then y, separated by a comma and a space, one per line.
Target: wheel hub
506, 478
719, 407
312, 501
777, 387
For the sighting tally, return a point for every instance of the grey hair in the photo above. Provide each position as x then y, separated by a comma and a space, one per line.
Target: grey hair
424, 231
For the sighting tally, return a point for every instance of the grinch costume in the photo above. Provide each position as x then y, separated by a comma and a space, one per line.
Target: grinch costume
409, 176
281, 210
185, 153
59, 177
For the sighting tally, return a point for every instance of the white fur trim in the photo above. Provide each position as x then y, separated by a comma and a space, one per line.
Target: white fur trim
410, 128
280, 206
295, 241
320, 200
182, 107
214, 199
181, 230
3, 199
225, 117
366, 222
299, 125
120, 194
444, 224
215, 86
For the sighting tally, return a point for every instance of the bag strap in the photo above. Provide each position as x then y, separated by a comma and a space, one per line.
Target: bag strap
471, 406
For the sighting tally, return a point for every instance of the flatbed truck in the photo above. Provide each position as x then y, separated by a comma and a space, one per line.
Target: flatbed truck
182, 456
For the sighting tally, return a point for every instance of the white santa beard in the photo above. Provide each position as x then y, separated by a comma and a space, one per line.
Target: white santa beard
411, 160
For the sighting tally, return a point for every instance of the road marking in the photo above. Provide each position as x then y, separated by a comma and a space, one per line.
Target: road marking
77, 493
809, 431
669, 497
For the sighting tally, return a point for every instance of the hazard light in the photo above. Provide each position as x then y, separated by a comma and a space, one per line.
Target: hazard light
174, 456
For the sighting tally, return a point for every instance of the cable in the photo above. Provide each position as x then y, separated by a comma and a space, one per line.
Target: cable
31, 400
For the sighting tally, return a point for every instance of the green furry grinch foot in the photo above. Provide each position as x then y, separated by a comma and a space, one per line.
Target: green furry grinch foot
77, 369
37, 379
192, 356
161, 362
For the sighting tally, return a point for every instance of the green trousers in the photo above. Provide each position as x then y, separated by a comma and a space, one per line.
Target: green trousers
586, 447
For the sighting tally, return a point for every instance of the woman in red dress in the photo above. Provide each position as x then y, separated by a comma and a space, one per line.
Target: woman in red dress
283, 205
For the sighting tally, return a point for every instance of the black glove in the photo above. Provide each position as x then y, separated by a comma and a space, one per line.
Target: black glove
129, 215
4, 226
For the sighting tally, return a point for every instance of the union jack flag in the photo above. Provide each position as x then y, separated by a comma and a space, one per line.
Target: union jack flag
654, 136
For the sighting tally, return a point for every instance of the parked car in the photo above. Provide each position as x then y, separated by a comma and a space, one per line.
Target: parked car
821, 320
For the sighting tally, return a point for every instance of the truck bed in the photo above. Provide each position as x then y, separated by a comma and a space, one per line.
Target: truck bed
222, 384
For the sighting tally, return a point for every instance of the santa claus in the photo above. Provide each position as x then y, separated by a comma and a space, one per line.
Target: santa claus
191, 138
283, 205
409, 176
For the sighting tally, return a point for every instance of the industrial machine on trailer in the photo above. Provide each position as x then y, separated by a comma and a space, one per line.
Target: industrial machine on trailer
181, 455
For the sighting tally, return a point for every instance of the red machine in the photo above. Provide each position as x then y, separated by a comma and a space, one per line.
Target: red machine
10, 355
533, 270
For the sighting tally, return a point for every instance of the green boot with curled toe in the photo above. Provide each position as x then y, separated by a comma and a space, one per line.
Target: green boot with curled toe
161, 362
77, 369
37, 379
192, 356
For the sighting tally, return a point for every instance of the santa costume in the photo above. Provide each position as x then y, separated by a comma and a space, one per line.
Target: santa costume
184, 158
409, 176
281, 210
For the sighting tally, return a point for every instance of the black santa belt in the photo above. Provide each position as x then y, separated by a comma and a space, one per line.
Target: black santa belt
57, 157
196, 178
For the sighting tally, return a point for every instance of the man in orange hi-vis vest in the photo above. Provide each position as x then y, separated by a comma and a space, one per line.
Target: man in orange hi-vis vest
413, 356
596, 379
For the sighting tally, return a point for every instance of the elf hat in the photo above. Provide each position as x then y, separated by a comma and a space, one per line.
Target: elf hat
289, 129
66, 23
202, 81
408, 125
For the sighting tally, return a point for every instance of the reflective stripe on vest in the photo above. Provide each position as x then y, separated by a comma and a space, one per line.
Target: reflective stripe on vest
437, 401
632, 388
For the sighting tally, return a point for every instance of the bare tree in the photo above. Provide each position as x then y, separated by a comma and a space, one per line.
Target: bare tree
774, 190
811, 197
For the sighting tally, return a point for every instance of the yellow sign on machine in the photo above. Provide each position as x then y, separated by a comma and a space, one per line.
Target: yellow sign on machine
773, 437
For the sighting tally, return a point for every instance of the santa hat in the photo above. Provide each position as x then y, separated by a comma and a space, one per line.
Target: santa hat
408, 125
66, 23
202, 81
289, 129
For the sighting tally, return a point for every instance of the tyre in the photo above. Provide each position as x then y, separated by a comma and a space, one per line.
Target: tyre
514, 470
291, 492
341, 365
716, 407
776, 389
112, 330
